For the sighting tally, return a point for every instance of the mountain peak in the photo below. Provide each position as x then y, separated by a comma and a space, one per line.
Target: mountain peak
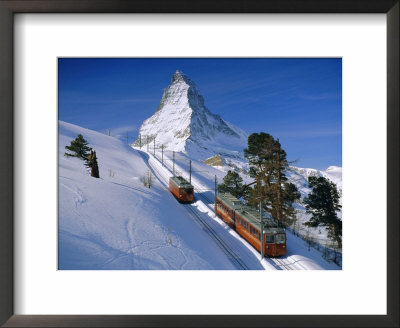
183, 123
178, 76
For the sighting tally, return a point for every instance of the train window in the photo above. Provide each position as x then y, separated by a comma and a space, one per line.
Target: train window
190, 191
269, 239
280, 238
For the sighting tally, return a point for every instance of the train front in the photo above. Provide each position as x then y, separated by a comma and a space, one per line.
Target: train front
186, 194
275, 242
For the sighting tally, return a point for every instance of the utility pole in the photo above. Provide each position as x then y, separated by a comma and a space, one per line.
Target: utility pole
140, 141
147, 141
154, 146
215, 194
261, 231
190, 171
162, 155
173, 163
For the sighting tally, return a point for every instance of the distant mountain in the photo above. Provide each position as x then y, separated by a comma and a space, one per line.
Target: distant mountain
183, 123
299, 176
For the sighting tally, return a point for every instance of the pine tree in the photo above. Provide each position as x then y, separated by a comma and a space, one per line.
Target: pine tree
323, 204
79, 148
290, 195
232, 183
259, 154
91, 162
268, 164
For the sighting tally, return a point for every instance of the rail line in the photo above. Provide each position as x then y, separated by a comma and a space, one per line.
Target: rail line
225, 248
232, 256
281, 264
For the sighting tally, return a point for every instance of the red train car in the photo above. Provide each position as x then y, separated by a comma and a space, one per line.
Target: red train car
246, 221
181, 189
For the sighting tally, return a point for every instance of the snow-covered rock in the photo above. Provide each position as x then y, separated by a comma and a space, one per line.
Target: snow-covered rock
183, 123
299, 176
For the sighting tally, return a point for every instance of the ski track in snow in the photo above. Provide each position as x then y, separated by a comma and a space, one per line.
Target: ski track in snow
79, 198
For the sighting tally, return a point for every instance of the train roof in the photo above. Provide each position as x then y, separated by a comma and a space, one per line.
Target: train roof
230, 201
181, 182
250, 214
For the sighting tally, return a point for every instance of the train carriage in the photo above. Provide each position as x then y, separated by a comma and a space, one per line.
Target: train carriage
246, 221
181, 189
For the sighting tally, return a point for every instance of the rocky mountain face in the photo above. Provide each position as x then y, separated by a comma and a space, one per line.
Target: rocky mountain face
183, 123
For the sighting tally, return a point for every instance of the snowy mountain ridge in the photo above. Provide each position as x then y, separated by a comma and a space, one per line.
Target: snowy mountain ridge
299, 176
183, 123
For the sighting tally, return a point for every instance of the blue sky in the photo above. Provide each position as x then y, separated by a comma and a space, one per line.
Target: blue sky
298, 101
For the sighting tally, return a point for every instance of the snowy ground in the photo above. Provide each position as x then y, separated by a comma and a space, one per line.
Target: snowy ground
116, 223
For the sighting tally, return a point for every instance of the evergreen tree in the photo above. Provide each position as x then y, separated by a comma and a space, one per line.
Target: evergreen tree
323, 203
79, 148
268, 164
91, 162
290, 195
259, 154
232, 183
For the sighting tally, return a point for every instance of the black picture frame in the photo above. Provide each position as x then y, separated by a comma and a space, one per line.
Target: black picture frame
10, 7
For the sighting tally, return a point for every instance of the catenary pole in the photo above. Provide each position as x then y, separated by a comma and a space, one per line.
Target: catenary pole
140, 141
173, 163
190, 171
261, 232
154, 147
162, 155
215, 194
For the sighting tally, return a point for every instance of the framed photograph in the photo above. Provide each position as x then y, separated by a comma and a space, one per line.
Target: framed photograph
120, 120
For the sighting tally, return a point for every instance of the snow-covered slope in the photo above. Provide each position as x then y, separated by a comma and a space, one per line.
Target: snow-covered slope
184, 124
115, 222
299, 176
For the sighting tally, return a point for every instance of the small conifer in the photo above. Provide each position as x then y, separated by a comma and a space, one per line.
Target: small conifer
233, 184
78, 148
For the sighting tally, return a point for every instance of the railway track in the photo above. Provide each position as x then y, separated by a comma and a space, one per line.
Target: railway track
281, 264
232, 256
202, 222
